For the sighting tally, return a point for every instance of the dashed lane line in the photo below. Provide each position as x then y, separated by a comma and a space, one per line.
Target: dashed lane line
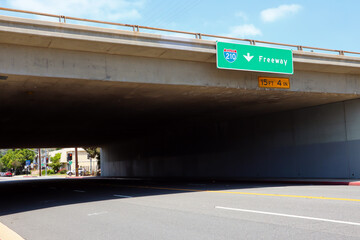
122, 196
97, 213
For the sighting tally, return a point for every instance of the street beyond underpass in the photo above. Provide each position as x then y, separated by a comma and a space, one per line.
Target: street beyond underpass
100, 208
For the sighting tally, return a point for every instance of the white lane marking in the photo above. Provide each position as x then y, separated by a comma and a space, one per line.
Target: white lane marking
78, 191
98, 213
122, 196
287, 215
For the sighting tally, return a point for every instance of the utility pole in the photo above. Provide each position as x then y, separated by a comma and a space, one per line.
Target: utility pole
76, 163
39, 162
89, 157
91, 165
46, 156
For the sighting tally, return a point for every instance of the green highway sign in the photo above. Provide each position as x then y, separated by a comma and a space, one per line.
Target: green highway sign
253, 58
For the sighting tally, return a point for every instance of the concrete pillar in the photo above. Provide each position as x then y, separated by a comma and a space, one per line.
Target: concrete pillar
316, 142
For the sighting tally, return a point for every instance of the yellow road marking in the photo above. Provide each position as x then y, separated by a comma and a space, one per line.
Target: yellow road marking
249, 193
8, 234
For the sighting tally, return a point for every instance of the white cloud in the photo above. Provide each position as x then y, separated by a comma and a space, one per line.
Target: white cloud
110, 10
242, 15
245, 30
273, 14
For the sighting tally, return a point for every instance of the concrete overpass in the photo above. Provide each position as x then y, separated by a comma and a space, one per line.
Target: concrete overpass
159, 107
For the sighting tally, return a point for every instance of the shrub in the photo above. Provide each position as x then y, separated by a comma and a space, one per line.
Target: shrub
62, 171
50, 171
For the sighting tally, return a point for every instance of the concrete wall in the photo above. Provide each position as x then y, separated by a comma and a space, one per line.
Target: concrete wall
66, 64
316, 142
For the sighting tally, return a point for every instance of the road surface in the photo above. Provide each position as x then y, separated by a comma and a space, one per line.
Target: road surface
95, 208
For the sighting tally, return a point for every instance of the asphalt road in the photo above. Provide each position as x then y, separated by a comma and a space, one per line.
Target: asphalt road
123, 209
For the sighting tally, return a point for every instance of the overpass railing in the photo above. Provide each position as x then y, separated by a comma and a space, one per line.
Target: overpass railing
137, 28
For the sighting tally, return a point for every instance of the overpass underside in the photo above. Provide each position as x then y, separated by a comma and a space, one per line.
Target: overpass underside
162, 113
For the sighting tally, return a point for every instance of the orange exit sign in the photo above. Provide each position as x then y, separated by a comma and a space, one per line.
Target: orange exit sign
274, 82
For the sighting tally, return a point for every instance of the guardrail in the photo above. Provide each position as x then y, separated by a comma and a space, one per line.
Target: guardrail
136, 28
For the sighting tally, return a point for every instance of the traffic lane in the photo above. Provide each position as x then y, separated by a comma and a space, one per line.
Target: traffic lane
140, 218
283, 196
127, 221
342, 193
326, 191
337, 209
201, 206
342, 210
63, 193
312, 208
333, 192
46, 193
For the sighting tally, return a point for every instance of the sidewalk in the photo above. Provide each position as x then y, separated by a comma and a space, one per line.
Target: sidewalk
348, 182
37, 176
309, 181
303, 181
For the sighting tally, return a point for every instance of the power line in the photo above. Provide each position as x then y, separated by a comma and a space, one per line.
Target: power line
186, 8
169, 11
152, 11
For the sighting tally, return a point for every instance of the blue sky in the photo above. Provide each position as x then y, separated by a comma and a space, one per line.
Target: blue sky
317, 23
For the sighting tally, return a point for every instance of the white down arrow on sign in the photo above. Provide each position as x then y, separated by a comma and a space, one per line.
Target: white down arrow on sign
248, 57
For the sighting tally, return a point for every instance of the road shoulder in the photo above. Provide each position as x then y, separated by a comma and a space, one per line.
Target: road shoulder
8, 234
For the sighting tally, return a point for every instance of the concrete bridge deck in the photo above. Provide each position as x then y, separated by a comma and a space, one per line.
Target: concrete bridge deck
159, 106
53, 35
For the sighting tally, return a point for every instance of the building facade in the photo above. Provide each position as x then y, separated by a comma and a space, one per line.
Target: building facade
83, 160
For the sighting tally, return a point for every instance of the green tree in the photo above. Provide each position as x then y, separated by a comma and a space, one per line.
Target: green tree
7, 159
2, 166
94, 153
15, 164
27, 154
15, 159
55, 162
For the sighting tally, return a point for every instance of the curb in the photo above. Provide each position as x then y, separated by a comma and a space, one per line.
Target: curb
354, 183
8, 234
357, 183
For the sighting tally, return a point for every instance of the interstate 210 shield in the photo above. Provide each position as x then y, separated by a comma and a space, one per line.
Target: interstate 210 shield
230, 55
